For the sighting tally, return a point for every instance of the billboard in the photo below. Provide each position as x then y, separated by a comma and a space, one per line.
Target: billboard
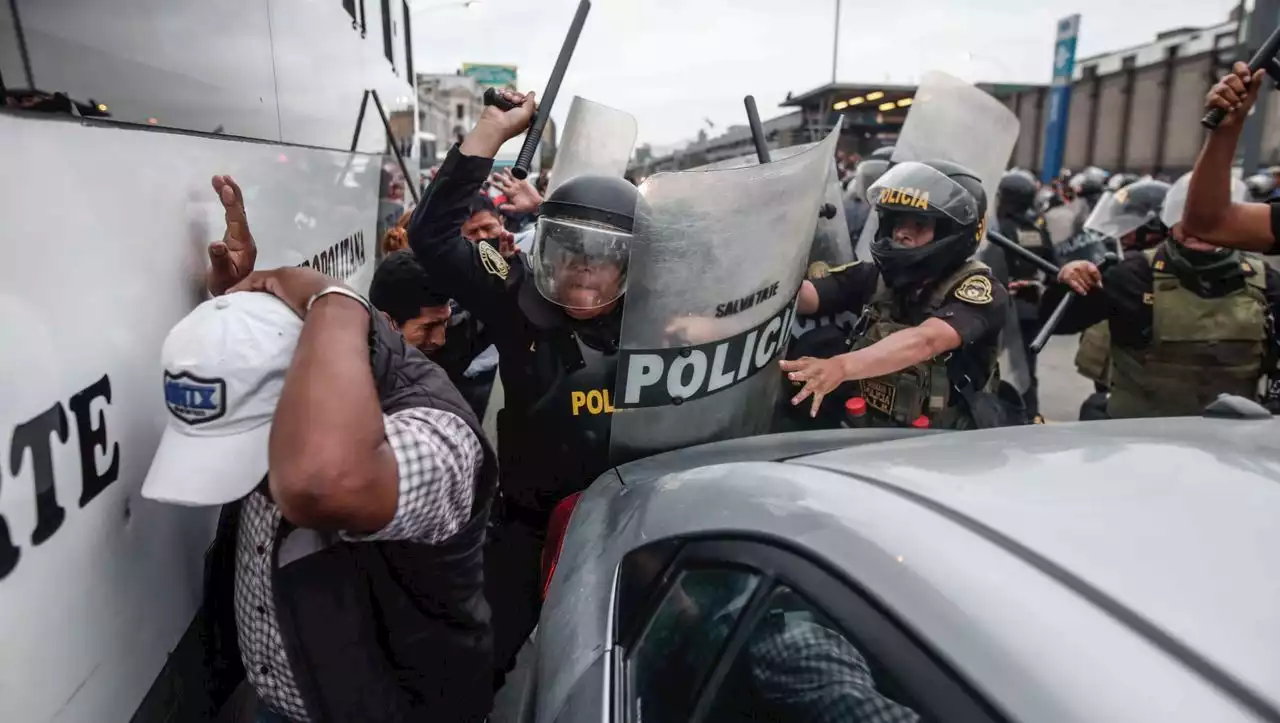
496, 76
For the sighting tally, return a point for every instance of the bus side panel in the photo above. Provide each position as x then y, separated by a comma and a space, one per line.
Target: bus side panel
104, 242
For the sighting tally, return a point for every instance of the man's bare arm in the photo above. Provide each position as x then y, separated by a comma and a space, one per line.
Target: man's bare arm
1210, 215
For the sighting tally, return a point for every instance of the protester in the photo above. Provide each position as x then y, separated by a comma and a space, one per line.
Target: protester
396, 239
355, 485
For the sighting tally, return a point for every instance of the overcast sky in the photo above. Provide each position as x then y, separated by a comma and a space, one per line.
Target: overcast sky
675, 64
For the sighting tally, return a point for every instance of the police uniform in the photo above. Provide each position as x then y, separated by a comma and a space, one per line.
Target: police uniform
969, 299
557, 376
1027, 229
1179, 339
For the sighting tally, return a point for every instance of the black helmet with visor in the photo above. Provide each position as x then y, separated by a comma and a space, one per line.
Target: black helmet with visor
583, 241
948, 198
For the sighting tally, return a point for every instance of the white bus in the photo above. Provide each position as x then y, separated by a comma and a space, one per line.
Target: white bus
105, 224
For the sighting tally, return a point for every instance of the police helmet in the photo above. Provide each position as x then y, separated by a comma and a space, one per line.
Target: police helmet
1017, 192
583, 241
950, 197
1261, 186
1120, 180
1089, 183
867, 173
883, 153
1134, 208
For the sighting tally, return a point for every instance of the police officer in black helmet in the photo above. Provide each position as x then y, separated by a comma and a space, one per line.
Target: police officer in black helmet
555, 317
925, 350
1019, 221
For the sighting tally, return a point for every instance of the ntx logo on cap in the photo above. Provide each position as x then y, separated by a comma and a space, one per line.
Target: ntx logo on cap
195, 400
223, 370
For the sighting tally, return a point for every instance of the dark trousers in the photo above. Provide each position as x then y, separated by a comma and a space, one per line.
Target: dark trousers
512, 581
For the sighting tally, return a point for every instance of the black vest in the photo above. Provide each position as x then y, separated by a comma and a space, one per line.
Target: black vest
376, 632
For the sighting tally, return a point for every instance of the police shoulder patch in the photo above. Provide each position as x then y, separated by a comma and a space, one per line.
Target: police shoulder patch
976, 290
1148, 298
493, 261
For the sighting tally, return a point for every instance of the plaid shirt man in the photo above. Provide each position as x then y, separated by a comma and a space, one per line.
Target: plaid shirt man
437, 456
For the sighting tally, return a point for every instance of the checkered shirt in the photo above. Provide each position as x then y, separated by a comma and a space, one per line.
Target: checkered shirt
437, 456
816, 676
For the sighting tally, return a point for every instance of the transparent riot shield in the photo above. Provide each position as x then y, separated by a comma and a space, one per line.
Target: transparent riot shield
716, 263
1176, 200
832, 244
952, 120
1060, 223
597, 140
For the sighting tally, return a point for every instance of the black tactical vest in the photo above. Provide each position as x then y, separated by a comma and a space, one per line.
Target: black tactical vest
377, 632
927, 388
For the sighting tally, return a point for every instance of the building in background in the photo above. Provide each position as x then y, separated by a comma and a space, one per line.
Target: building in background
448, 106
1135, 109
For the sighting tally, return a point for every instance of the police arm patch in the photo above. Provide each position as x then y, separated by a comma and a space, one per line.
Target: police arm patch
975, 290
493, 261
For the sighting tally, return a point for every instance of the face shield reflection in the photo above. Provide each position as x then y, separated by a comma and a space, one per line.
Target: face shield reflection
1112, 219
578, 265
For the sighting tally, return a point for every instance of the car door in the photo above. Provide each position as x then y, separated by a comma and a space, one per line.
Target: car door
733, 630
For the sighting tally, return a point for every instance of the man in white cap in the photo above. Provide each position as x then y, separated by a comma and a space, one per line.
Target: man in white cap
346, 578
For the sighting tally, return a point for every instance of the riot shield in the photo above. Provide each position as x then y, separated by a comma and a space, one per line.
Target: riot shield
1060, 222
952, 120
717, 259
597, 140
832, 244
1176, 200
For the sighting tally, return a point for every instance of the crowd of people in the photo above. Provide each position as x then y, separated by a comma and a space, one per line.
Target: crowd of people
379, 558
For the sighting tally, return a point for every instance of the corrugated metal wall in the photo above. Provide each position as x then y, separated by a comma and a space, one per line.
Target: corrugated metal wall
1152, 139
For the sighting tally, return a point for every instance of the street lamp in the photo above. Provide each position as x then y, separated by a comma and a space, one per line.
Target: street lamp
835, 44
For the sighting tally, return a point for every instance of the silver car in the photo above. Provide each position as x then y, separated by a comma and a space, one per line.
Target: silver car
1108, 571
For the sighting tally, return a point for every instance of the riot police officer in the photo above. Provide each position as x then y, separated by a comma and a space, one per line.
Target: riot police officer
1018, 220
555, 317
1187, 320
925, 350
1124, 221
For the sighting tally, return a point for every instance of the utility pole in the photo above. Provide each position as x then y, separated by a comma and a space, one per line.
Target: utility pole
835, 44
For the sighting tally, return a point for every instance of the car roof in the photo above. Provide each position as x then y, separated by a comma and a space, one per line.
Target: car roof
1072, 572
1170, 525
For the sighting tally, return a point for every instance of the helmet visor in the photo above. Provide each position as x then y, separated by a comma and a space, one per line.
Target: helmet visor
920, 189
1114, 218
580, 266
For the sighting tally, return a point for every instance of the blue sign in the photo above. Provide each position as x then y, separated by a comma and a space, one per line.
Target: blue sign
1064, 64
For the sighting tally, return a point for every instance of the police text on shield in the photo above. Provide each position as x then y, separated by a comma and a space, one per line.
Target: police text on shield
662, 377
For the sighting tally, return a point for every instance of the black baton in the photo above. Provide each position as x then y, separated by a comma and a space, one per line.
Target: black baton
1264, 59
757, 130
491, 97
1012, 246
1046, 331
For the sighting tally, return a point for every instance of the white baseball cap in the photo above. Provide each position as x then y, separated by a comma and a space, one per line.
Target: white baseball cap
224, 367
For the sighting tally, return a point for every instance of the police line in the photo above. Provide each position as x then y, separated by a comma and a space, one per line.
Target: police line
673, 376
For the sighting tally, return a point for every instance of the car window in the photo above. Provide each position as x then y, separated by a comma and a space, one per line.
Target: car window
795, 666
683, 640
